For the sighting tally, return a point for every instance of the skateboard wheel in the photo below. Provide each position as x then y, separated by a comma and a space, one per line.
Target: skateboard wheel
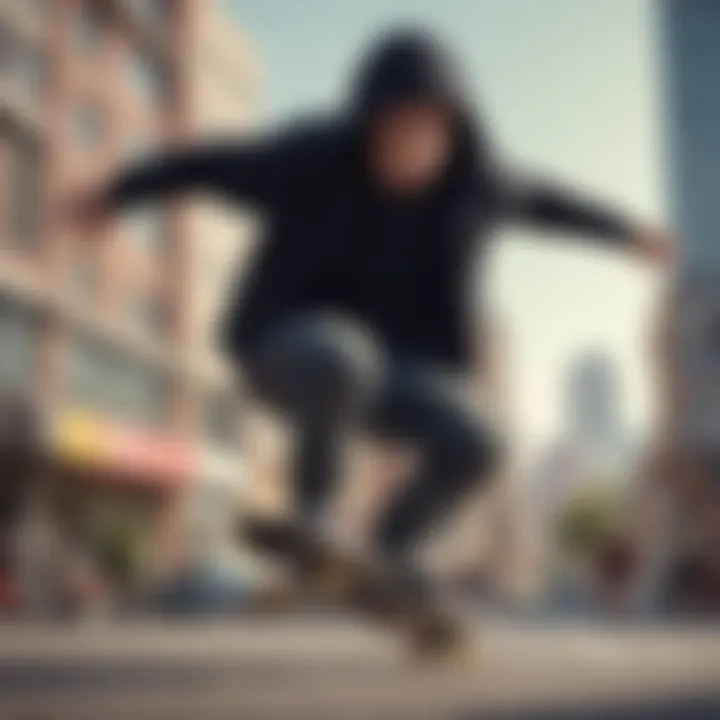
335, 582
442, 643
277, 598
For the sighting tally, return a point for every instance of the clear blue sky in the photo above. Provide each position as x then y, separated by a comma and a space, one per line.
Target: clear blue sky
571, 87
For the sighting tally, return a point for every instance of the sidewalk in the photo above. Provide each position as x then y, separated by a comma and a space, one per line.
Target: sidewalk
328, 667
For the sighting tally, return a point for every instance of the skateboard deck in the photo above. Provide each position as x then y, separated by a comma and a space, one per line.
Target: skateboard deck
362, 586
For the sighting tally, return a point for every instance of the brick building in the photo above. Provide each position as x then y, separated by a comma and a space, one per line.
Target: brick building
108, 342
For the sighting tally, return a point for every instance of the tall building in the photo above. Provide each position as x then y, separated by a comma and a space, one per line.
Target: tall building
691, 43
689, 348
683, 469
107, 338
592, 450
592, 402
691, 31
593, 445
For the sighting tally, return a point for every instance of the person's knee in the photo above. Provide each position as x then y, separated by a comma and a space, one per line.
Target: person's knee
335, 358
319, 362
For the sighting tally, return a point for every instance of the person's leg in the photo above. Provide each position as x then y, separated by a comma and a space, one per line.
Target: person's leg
457, 451
320, 372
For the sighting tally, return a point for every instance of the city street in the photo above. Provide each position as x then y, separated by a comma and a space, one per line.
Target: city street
329, 668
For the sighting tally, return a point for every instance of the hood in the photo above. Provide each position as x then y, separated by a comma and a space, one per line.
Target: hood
411, 65
406, 66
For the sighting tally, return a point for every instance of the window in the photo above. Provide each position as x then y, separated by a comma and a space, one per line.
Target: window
138, 145
32, 70
87, 126
23, 192
22, 63
150, 313
213, 515
19, 345
40, 8
147, 229
155, 12
83, 276
106, 379
220, 419
7, 47
148, 78
88, 29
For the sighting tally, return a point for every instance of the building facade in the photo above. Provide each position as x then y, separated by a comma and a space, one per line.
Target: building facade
224, 81
691, 30
683, 470
107, 338
593, 455
691, 43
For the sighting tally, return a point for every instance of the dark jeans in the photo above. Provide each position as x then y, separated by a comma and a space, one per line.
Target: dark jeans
332, 379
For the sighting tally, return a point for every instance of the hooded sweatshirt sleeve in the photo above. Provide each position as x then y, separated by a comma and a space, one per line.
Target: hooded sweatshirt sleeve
545, 204
253, 171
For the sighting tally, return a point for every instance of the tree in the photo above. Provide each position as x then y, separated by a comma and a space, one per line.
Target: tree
589, 520
118, 550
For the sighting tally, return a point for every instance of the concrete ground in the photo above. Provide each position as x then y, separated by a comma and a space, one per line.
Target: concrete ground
330, 668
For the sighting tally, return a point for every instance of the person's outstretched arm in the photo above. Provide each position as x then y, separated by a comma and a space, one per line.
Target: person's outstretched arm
545, 204
240, 170
252, 171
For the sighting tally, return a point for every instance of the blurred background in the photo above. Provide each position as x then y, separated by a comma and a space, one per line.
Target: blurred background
127, 448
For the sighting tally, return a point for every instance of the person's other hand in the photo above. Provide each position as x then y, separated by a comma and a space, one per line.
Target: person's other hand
84, 210
655, 246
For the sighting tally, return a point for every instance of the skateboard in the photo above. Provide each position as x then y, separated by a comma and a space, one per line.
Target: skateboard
363, 586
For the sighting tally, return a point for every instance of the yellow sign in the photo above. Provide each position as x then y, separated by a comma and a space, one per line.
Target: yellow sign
79, 438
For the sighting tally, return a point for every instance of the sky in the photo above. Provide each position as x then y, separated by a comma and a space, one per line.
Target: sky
570, 87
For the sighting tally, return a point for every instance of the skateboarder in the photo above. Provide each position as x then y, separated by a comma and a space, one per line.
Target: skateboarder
357, 314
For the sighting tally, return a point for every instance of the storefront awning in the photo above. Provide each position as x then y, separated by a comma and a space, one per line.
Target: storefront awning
81, 440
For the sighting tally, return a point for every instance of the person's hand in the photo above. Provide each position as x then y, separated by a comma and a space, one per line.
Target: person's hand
655, 246
84, 210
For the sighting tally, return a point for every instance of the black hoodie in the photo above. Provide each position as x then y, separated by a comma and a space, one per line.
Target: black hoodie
334, 241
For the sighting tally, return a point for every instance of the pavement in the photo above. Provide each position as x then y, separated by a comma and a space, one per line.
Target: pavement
329, 667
